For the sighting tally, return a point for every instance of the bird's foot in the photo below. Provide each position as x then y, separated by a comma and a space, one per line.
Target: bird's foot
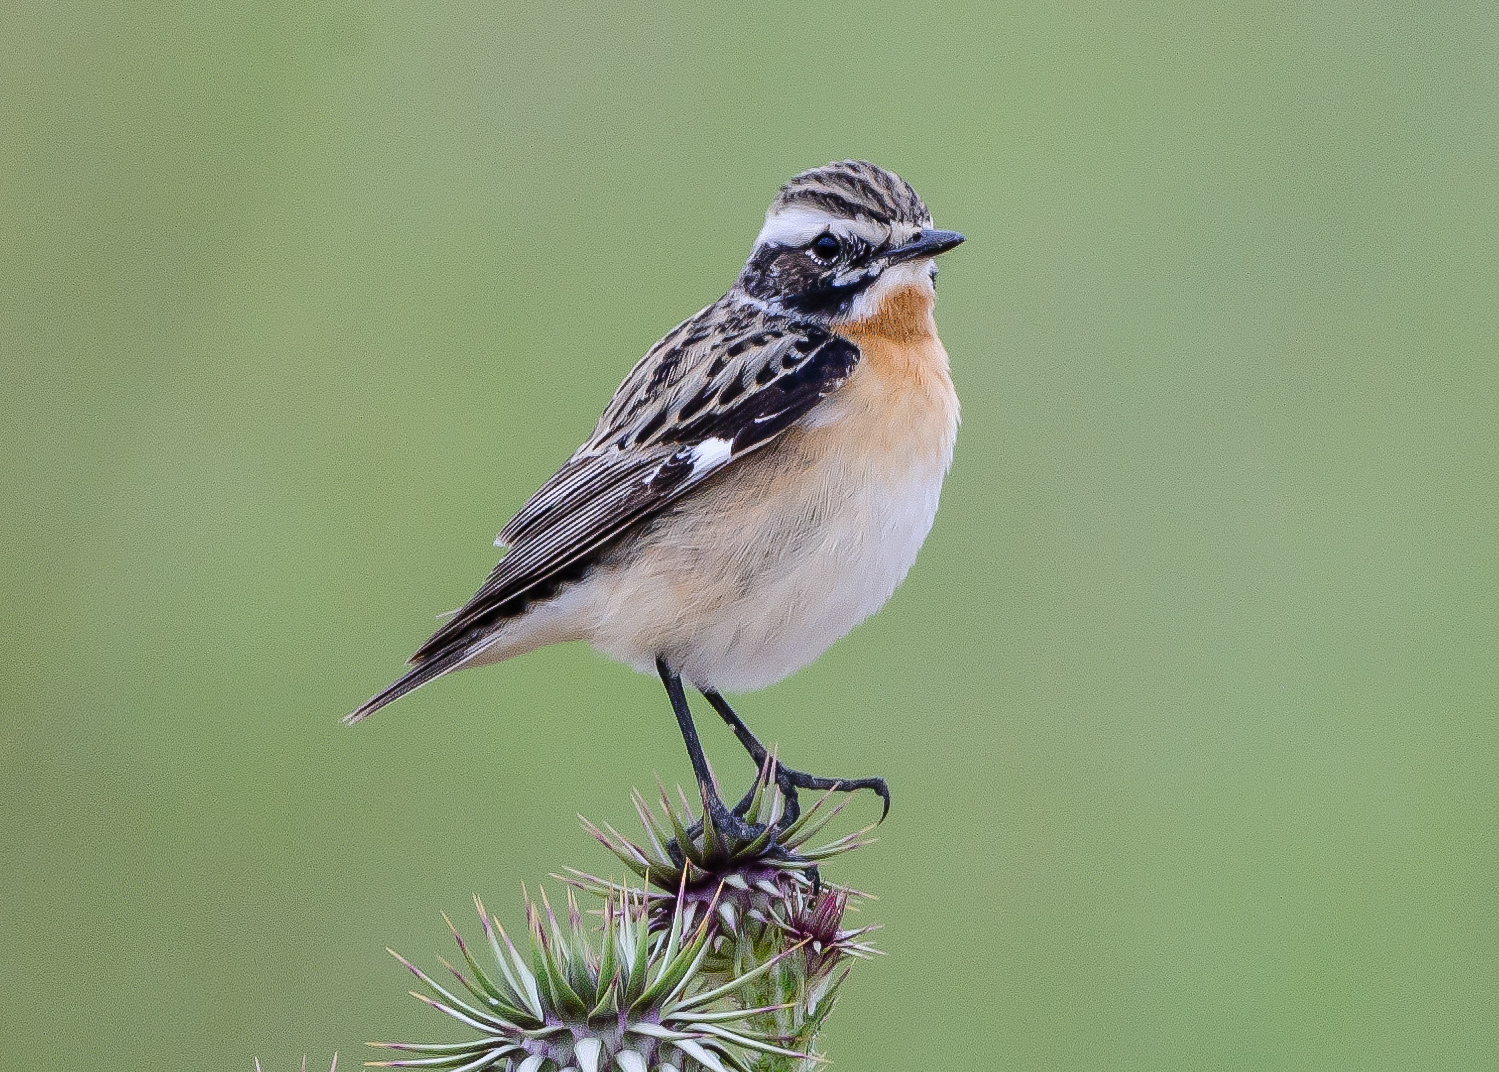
729, 823
789, 781
763, 835
730, 840
722, 829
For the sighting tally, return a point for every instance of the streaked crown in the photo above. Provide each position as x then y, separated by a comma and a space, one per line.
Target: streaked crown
851, 190
831, 232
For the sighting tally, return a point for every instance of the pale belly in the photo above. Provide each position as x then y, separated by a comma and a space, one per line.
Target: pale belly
754, 581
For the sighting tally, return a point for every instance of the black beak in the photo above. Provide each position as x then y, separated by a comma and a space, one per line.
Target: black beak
927, 243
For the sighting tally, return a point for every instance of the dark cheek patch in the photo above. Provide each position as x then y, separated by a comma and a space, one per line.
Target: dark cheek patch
800, 282
775, 272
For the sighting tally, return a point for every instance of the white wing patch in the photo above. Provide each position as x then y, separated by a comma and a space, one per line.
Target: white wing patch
710, 453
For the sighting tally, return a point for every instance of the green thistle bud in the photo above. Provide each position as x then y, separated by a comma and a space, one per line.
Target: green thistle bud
806, 940
638, 1001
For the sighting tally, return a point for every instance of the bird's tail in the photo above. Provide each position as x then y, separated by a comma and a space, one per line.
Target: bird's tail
427, 670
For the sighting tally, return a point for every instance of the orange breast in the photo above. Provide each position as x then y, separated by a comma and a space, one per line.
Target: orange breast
900, 396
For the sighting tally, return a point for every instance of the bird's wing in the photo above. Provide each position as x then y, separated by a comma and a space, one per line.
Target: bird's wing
721, 385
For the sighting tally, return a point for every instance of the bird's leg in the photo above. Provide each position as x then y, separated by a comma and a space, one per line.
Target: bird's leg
757, 752
787, 779
724, 819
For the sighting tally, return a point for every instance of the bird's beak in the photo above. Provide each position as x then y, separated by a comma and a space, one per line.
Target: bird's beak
927, 243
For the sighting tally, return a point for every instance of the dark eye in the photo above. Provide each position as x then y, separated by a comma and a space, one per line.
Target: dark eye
826, 247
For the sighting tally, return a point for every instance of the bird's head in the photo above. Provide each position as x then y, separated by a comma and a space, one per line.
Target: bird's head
838, 236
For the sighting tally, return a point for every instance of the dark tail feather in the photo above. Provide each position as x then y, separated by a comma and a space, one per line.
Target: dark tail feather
412, 679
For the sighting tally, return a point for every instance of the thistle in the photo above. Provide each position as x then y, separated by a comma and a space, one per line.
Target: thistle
637, 1001
804, 941
690, 862
726, 958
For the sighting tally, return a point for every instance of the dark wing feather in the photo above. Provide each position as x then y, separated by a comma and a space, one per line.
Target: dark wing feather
638, 462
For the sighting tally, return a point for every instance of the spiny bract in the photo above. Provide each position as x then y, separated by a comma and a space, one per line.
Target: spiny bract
689, 863
637, 1002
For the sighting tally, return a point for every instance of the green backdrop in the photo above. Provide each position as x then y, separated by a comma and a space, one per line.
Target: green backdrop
1189, 707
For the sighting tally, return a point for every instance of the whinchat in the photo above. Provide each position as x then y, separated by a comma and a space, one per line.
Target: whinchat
760, 483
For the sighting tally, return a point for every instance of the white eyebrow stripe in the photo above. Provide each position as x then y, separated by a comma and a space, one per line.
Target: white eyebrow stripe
799, 224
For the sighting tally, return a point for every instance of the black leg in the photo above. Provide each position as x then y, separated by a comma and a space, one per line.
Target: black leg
758, 753
791, 780
722, 817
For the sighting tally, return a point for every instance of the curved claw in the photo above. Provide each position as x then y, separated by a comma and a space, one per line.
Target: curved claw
877, 785
841, 785
789, 781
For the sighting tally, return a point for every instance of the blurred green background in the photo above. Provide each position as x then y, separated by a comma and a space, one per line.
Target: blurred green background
1189, 707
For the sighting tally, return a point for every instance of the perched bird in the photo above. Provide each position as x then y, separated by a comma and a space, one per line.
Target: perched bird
759, 484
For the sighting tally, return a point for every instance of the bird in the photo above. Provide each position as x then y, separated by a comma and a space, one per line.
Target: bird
759, 484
